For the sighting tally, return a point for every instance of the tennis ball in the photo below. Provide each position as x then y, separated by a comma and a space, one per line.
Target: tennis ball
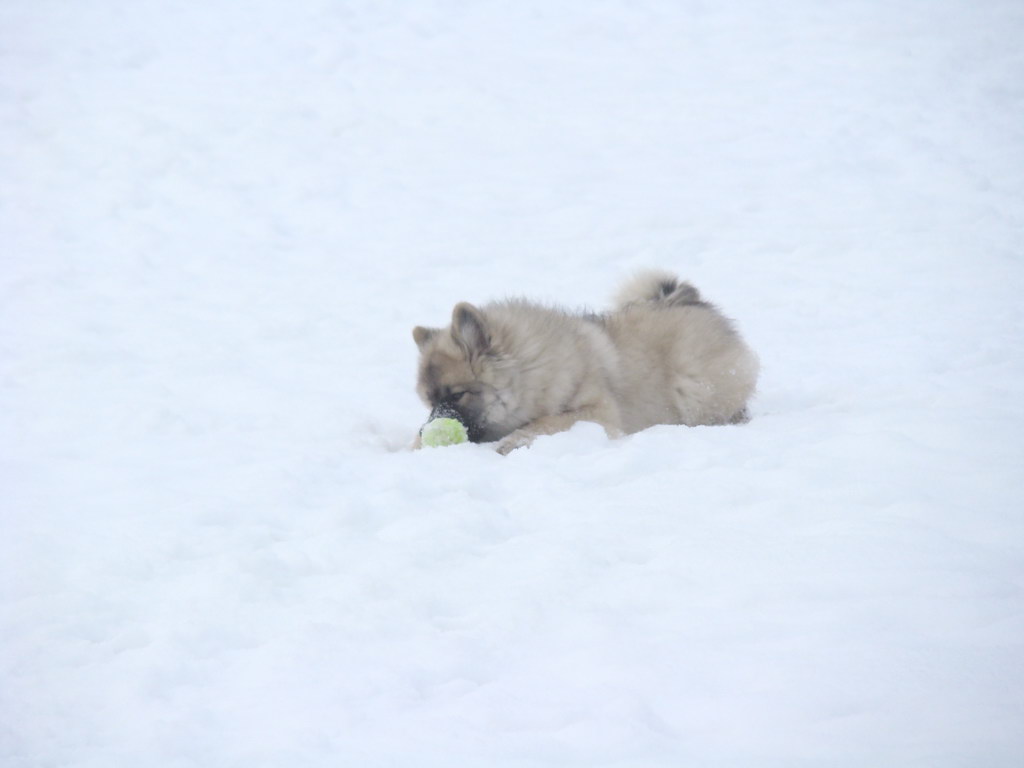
438, 432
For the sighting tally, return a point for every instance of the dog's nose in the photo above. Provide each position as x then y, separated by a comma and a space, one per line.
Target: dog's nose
446, 410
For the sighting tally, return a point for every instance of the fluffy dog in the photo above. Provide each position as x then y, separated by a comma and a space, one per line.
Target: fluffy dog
514, 370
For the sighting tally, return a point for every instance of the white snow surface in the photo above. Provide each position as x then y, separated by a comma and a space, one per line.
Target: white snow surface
219, 223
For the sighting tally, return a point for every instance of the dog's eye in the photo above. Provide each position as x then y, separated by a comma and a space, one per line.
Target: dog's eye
458, 394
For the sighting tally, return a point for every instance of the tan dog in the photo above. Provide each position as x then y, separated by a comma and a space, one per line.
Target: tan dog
513, 370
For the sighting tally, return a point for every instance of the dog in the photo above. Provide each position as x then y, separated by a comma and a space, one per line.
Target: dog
514, 370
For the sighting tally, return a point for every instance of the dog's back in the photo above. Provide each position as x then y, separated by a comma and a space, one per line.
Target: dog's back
680, 360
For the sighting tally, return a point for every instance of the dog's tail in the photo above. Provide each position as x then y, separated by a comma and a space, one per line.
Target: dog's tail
657, 286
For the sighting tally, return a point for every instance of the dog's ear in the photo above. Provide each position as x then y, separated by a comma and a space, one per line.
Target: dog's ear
422, 336
469, 329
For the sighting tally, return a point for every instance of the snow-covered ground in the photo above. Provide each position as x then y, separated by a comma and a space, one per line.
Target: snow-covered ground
220, 221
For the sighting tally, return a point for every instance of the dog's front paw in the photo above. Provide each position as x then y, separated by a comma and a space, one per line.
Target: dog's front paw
518, 439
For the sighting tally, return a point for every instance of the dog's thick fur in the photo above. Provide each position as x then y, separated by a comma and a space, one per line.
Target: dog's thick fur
514, 370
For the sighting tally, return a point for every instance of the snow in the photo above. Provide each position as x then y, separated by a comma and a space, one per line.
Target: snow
219, 224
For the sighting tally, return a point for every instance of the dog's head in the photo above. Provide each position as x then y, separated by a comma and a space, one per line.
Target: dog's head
462, 370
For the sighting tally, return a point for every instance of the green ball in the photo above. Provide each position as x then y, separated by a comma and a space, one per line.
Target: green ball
443, 432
